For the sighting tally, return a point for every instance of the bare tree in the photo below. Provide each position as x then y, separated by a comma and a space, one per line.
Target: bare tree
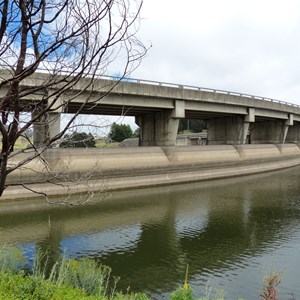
51, 52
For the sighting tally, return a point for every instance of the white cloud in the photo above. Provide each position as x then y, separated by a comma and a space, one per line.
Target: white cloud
244, 46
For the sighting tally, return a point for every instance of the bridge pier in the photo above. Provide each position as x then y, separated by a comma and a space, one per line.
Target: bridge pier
250, 129
45, 128
287, 125
160, 128
293, 135
54, 120
227, 130
248, 119
230, 130
270, 131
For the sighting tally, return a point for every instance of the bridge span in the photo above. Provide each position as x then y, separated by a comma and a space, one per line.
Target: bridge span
231, 118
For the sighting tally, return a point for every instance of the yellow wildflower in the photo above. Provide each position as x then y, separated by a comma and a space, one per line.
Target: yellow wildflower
186, 284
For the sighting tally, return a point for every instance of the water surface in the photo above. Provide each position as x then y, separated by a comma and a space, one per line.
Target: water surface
227, 231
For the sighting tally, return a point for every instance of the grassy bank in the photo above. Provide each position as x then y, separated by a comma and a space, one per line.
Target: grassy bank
66, 279
86, 279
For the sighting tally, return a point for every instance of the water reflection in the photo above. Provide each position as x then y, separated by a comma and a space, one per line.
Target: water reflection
120, 240
225, 230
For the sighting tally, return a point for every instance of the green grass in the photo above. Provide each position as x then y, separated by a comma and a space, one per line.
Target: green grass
66, 279
101, 143
21, 143
18, 286
21, 286
86, 279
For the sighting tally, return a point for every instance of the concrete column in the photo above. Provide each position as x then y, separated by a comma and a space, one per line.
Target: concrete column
293, 134
268, 132
249, 118
45, 128
40, 130
160, 128
227, 130
289, 122
166, 129
54, 119
48, 125
147, 129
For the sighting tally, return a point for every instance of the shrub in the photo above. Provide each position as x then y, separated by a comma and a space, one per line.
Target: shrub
182, 294
83, 273
78, 140
11, 259
18, 286
68, 279
120, 132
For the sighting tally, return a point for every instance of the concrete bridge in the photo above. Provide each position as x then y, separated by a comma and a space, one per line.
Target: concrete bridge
231, 118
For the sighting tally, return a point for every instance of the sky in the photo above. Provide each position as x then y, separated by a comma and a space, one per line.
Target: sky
243, 46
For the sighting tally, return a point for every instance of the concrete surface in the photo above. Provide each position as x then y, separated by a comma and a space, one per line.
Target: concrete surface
76, 170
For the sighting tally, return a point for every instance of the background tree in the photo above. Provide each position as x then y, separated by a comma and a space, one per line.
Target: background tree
192, 125
78, 140
136, 133
65, 42
120, 132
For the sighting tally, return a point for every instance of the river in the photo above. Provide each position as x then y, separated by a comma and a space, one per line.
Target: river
229, 232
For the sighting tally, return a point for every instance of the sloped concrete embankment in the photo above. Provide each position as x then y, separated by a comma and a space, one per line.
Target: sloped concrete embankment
113, 169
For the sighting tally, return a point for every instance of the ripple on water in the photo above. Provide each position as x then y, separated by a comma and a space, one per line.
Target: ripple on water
98, 244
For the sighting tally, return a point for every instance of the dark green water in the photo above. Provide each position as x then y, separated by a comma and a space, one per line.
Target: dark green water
227, 231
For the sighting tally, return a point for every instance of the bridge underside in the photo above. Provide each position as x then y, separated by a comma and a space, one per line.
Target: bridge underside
159, 126
234, 130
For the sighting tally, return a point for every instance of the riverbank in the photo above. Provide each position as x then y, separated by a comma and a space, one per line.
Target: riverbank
78, 170
67, 279
85, 279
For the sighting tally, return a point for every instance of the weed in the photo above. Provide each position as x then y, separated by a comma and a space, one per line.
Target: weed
185, 292
11, 259
68, 279
271, 282
83, 273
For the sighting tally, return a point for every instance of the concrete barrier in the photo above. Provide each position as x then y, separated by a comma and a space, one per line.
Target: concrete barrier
148, 166
202, 155
258, 152
31, 172
288, 149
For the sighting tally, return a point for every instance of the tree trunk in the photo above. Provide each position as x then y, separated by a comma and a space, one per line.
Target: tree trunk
3, 172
